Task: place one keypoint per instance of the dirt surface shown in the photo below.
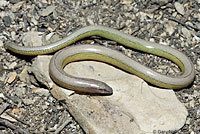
(28, 107)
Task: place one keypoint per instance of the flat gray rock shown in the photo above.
(134, 106)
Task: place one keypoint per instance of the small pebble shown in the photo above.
(179, 7)
(169, 29)
(3, 3)
(7, 21)
(6, 116)
(23, 76)
(11, 77)
(32, 38)
(2, 96)
(186, 33)
(17, 6)
(28, 101)
(41, 91)
(12, 65)
(47, 11)
(198, 112)
(1, 43)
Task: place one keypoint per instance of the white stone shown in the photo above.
(3, 3)
(47, 11)
(11, 77)
(152, 108)
(186, 32)
(32, 38)
(1, 43)
(133, 108)
(179, 7)
(169, 29)
(17, 6)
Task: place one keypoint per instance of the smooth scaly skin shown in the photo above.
(88, 52)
